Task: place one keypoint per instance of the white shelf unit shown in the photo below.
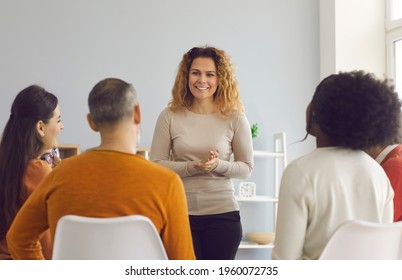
(279, 156)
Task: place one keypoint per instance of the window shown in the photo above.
(398, 66)
(396, 9)
(394, 43)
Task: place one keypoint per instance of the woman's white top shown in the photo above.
(322, 190)
(184, 138)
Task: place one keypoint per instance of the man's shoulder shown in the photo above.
(110, 161)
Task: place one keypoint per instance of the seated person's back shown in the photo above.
(337, 182)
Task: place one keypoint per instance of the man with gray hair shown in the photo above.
(107, 181)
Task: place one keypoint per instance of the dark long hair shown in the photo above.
(21, 143)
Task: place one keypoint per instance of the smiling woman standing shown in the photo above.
(196, 135)
(31, 131)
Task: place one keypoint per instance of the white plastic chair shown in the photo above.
(121, 238)
(361, 240)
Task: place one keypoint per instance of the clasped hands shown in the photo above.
(209, 163)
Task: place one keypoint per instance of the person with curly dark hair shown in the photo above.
(349, 113)
(196, 135)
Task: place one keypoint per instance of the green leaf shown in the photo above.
(254, 130)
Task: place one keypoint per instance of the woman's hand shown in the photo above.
(208, 164)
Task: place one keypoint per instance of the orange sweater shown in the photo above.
(34, 174)
(105, 184)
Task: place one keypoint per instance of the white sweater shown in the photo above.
(183, 138)
(322, 190)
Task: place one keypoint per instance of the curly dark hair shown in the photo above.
(356, 110)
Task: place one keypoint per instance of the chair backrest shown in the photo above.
(121, 238)
(361, 240)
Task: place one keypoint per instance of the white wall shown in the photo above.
(352, 36)
(68, 46)
(327, 38)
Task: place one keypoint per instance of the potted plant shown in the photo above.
(255, 130)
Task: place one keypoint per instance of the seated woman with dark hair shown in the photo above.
(349, 113)
(30, 133)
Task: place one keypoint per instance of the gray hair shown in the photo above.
(111, 100)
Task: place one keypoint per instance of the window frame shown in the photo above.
(393, 34)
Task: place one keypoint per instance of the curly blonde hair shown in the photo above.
(227, 96)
